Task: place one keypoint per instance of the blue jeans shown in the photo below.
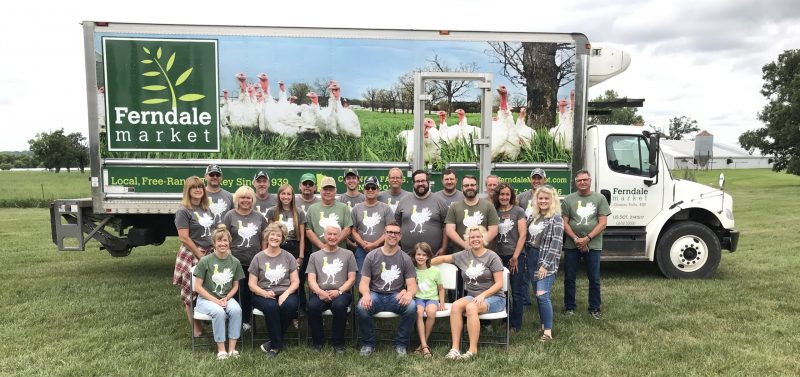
(386, 303)
(592, 260)
(277, 318)
(543, 300)
(338, 307)
(361, 254)
(218, 314)
(519, 290)
(245, 296)
(533, 263)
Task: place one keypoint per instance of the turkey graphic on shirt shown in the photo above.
(585, 212)
(474, 270)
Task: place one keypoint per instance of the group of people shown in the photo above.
(263, 249)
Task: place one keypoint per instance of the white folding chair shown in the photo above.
(254, 328)
(449, 273)
(498, 315)
(199, 317)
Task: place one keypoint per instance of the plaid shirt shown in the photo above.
(182, 276)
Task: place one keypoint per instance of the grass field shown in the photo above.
(377, 143)
(88, 314)
(39, 189)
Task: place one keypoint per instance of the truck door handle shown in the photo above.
(607, 194)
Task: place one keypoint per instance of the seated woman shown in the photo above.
(216, 282)
(482, 271)
(273, 282)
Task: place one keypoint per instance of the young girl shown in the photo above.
(217, 278)
(429, 289)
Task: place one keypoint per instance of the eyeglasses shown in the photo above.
(422, 181)
(308, 183)
(392, 233)
(583, 180)
(370, 188)
(197, 186)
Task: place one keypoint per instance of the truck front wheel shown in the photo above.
(688, 250)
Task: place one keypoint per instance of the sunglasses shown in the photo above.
(214, 175)
(308, 183)
(370, 188)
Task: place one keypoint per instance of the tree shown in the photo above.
(679, 126)
(299, 90)
(52, 149)
(78, 151)
(540, 68)
(370, 98)
(621, 115)
(320, 86)
(450, 90)
(781, 115)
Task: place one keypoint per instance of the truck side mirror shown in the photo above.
(652, 159)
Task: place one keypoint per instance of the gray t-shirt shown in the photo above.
(331, 268)
(421, 220)
(388, 273)
(200, 223)
(370, 221)
(463, 216)
(303, 205)
(508, 230)
(262, 205)
(352, 201)
(535, 231)
(286, 218)
(392, 200)
(477, 271)
(245, 234)
(319, 216)
(524, 200)
(449, 199)
(272, 273)
(219, 203)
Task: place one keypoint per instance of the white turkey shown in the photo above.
(443, 128)
(524, 132)
(562, 133)
(462, 132)
(346, 120)
(430, 147)
(284, 105)
(505, 139)
(313, 119)
(243, 111)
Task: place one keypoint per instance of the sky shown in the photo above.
(698, 58)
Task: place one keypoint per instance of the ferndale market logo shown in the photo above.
(161, 94)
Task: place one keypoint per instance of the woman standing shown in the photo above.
(547, 235)
(286, 213)
(193, 221)
(246, 226)
(509, 245)
(482, 271)
(217, 281)
(273, 281)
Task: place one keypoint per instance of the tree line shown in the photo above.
(50, 150)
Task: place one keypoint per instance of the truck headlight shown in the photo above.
(729, 213)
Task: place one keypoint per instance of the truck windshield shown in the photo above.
(628, 154)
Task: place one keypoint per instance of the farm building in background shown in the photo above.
(705, 153)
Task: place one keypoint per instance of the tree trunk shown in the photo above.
(541, 73)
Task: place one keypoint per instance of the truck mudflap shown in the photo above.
(731, 240)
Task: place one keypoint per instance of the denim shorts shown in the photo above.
(425, 302)
(495, 303)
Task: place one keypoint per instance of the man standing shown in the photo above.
(538, 179)
(449, 191)
(388, 283)
(306, 197)
(369, 220)
(264, 200)
(351, 197)
(421, 217)
(396, 192)
(491, 183)
(471, 211)
(220, 201)
(585, 214)
(327, 212)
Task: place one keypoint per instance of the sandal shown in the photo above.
(418, 351)
(453, 354)
(545, 338)
(426, 352)
(467, 355)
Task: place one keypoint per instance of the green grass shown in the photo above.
(88, 314)
(38, 189)
(377, 143)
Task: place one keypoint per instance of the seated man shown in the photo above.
(388, 284)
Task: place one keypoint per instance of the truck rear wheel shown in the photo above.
(688, 250)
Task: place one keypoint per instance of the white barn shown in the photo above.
(680, 155)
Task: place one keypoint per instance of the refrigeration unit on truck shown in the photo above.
(167, 100)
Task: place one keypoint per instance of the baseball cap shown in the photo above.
(350, 171)
(327, 182)
(538, 171)
(260, 174)
(371, 180)
(308, 177)
(213, 168)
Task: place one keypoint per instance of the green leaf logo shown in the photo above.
(162, 71)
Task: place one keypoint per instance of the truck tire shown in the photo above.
(688, 250)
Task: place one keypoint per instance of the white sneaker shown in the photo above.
(222, 355)
(234, 354)
(245, 327)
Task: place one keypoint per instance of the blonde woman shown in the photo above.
(194, 222)
(547, 235)
(216, 282)
(482, 271)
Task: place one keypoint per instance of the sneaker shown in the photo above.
(453, 354)
(245, 327)
(295, 324)
(266, 346)
(338, 350)
(271, 354)
(222, 355)
(596, 314)
(466, 356)
(367, 350)
(569, 312)
(401, 351)
(318, 348)
(234, 354)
